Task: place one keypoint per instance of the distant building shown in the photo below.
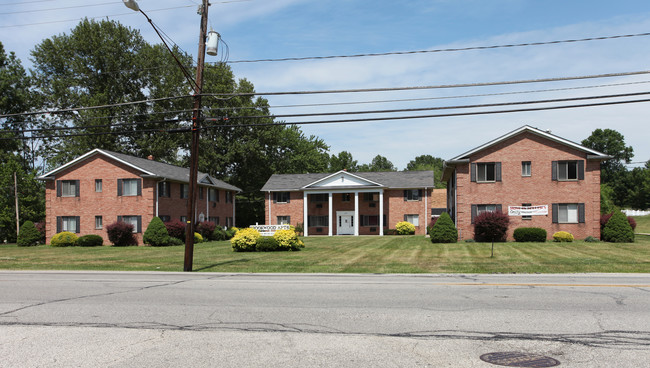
(102, 187)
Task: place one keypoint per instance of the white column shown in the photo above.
(329, 200)
(305, 225)
(157, 198)
(357, 220)
(381, 212)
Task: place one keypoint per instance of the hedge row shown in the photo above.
(250, 240)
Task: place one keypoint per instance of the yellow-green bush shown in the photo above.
(245, 240)
(198, 238)
(405, 228)
(288, 240)
(64, 239)
(562, 236)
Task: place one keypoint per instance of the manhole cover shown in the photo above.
(517, 359)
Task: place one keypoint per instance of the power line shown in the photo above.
(443, 50)
(61, 8)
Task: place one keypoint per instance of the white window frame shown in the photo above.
(98, 185)
(412, 195)
(133, 220)
(282, 197)
(563, 170)
(283, 220)
(185, 191)
(318, 221)
(482, 170)
(69, 223)
(526, 168)
(413, 219)
(480, 208)
(212, 195)
(129, 185)
(99, 223)
(68, 188)
(567, 213)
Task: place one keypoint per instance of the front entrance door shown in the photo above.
(345, 223)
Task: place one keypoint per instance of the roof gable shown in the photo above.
(341, 179)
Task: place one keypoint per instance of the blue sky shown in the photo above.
(258, 29)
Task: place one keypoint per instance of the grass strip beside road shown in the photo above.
(348, 254)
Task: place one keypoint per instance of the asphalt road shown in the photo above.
(92, 319)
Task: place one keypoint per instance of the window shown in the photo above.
(413, 195)
(568, 213)
(184, 219)
(214, 219)
(129, 187)
(136, 221)
(98, 185)
(567, 170)
(318, 221)
(98, 222)
(213, 195)
(524, 217)
(67, 188)
(323, 197)
(229, 197)
(185, 191)
(477, 209)
(229, 221)
(526, 168)
(164, 189)
(485, 172)
(165, 218)
(68, 223)
(345, 197)
(284, 220)
(413, 219)
(372, 220)
(200, 192)
(371, 197)
(281, 197)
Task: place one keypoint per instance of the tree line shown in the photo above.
(103, 63)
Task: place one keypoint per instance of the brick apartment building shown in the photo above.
(346, 203)
(539, 179)
(102, 187)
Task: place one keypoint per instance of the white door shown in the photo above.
(345, 224)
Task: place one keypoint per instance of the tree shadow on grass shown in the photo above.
(221, 264)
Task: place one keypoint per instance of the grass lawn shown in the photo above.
(642, 224)
(365, 254)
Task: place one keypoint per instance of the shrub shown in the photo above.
(390, 232)
(529, 234)
(245, 240)
(491, 226)
(64, 239)
(591, 239)
(121, 234)
(605, 218)
(198, 238)
(266, 244)
(405, 228)
(176, 229)
(299, 228)
(288, 240)
(156, 234)
(444, 230)
(175, 241)
(205, 228)
(562, 236)
(618, 229)
(90, 240)
(230, 233)
(218, 234)
(40, 226)
(28, 235)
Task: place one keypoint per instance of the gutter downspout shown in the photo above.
(270, 203)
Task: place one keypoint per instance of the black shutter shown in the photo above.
(555, 209)
(420, 195)
(119, 218)
(76, 188)
(472, 173)
(139, 229)
(58, 224)
(406, 194)
(581, 170)
(119, 187)
(217, 194)
(404, 217)
(581, 213)
(58, 188)
(474, 212)
(497, 169)
(554, 170)
(77, 227)
(499, 208)
(275, 197)
(168, 189)
(288, 197)
(139, 187)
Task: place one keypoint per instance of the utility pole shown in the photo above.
(194, 148)
(16, 195)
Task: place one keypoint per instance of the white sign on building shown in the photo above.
(528, 210)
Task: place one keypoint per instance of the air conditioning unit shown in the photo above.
(319, 206)
(373, 204)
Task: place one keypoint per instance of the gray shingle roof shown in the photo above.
(390, 179)
(153, 168)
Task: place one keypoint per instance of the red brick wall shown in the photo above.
(109, 205)
(175, 206)
(394, 208)
(538, 189)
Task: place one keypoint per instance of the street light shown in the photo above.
(197, 86)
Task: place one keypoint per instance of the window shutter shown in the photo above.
(497, 169)
(168, 189)
(119, 187)
(420, 195)
(288, 197)
(554, 170)
(581, 170)
(139, 187)
(555, 209)
(581, 213)
(474, 212)
(77, 226)
(119, 218)
(406, 194)
(217, 195)
(76, 188)
(139, 230)
(275, 197)
(404, 217)
(498, 206)
(58, 188)
(473, 172)
(58, 224)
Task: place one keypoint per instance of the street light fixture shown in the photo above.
(197, 86)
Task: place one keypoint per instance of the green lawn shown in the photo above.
(642, 224)
(365, 254)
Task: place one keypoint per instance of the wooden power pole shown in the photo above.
(16, 195)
